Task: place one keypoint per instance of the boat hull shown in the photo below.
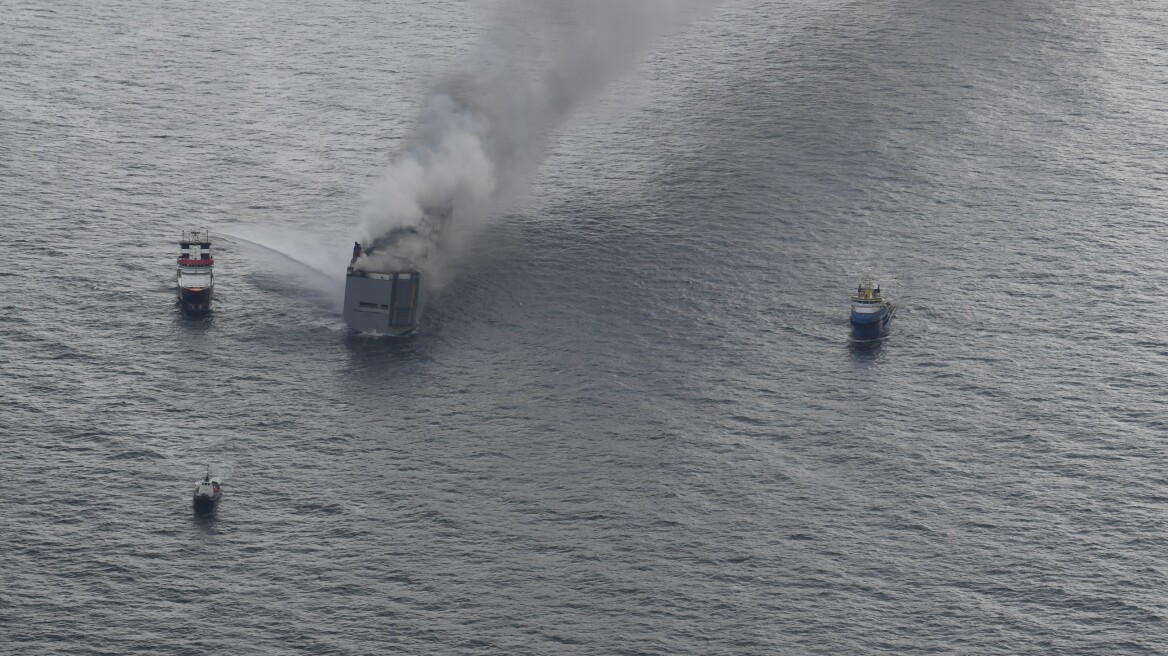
(195, 301)
(203, 503)
(872, 325)
(383, 303)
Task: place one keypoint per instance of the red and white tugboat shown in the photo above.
(196, 280)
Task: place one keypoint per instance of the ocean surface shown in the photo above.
(632, 421)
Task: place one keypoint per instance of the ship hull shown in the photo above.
(203, 503)
(195, 301)
(383, 303)
(871, 325)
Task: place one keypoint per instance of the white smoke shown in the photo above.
(445, 162)
(485, 129)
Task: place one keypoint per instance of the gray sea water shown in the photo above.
(632, 422)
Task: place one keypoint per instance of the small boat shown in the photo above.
(196, 277)
(871, 312)
(207, 494)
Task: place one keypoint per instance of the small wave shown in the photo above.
(137, 454)
(321, 508)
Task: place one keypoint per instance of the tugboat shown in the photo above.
(196, 278)
(207, 494)
(871, 312)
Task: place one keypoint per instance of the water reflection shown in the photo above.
(865, 350)
(203, 521)
(193, 321)
(376, 356)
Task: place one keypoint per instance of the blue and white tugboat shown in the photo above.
(207, 494)
(871, 312)
(196, 276)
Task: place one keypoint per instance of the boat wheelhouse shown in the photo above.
(196, 277)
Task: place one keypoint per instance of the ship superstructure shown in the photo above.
(384, 290)
(196, 276)
(388, 303)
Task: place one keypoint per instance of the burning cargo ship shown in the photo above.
(384, 292)
(196, 276)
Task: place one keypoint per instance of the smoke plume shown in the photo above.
(485, 128)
